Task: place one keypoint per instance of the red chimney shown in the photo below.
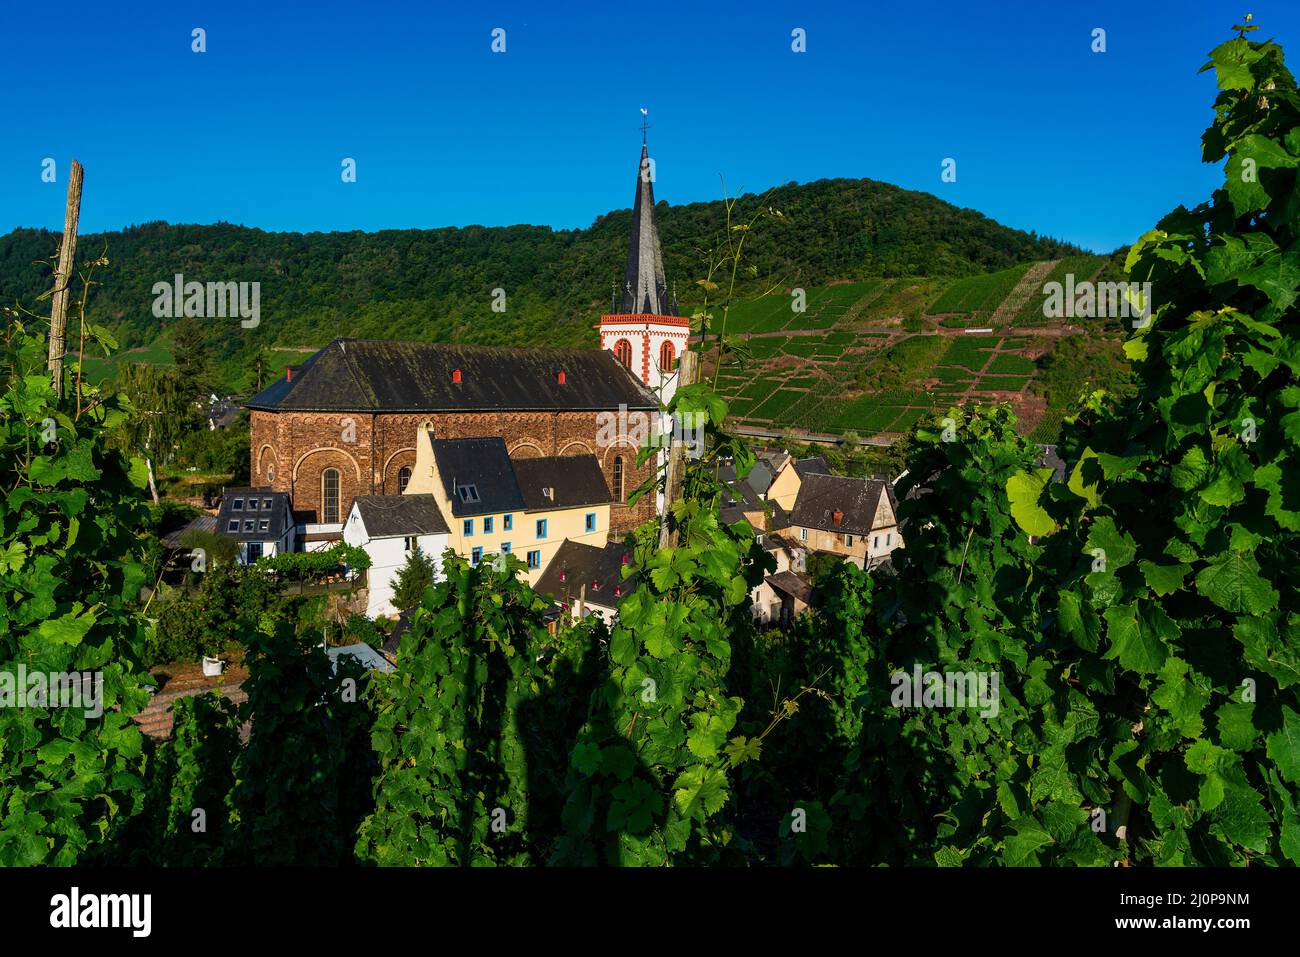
(455, 376)
(595, 585)
(837, 516)
(560, 377)
(618, 591)
(563, 575)
(627, 558)
(288, 373)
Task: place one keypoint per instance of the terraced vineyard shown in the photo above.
(873, 356)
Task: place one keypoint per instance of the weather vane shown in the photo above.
(645, 124)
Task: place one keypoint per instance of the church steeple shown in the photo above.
(645, 291)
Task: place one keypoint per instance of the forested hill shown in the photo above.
(438, 284)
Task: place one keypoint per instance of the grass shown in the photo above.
(96, 368)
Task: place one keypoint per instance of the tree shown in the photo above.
(193, 359)
(160, 413)
(413, 578)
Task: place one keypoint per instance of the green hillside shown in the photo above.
(438, 284)
(872, 357)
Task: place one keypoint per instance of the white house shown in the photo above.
(389, 527)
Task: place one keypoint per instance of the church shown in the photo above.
(349, 422)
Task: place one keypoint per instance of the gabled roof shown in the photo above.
(815, 464)
(788, 583)
(483, 469)
(206, 524)
(583, 564)
(371, 375)
(574, 480)
(820, 496)
(393, 516)
(249, 508)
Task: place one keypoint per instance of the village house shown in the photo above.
(526, 507)
(850, 517)
(259, 520)
(584, 579)
(389, 528)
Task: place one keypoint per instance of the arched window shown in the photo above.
(667, 357)
(623, 352)
(403, 477)
(618, 479)
(329, 497)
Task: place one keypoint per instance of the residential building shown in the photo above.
(259, 519)
(851, 517)
(526, 507)
(389, 528)
(586, 579)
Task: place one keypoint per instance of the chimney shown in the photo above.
(455, 376)
(627, 558)
(560, 377)
(288, 373)
(595, 584)
(837, 516)
(564, 574)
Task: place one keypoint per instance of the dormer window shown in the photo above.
(467, 493)
(252, 505)
(266, 503)
(248, 525)
(238, 506)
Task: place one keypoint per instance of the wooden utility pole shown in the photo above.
(63, 279)
(688, 373)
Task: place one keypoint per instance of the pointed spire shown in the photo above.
(644, 288)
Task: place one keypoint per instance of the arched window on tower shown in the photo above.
(329, 496)
(618, 479)
(403, 478)
(623, 352)
(667, 357)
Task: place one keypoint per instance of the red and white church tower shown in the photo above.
(648, 336)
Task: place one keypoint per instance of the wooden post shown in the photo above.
(688, 373)
(63, 279)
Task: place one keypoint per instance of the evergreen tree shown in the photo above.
(413, 578)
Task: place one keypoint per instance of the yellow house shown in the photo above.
(821, 512)
(524, 507)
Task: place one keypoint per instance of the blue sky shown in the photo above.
(1047, 135)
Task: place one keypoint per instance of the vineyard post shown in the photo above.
(687, 374)
(63, 278)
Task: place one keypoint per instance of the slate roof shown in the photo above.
(815, 464)
(821, 495)
(202, 523)
(237, 506)
(575, 480)
(393, 516)
(484, 464)
(584, 564)
(371, 375)
(743, 495)
(645, 290)
(788, 583)
(1050, 459)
